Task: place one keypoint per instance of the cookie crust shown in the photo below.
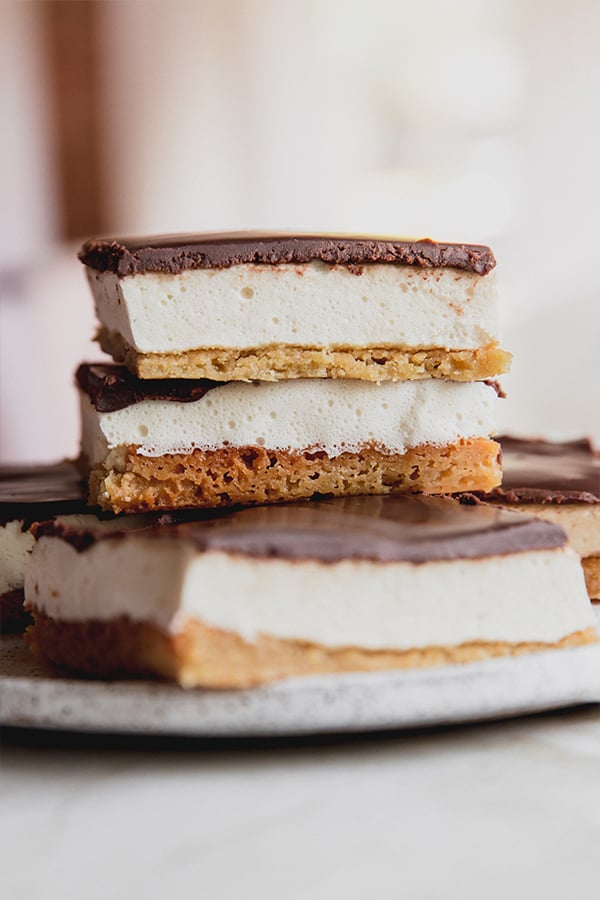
(200, 656)
(282, 361)
(125, 481)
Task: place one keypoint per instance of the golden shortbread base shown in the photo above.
(206, 657)
(284, 361)
(591, 570)
(128, 482)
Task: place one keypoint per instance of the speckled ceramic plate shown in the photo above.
(34, 697)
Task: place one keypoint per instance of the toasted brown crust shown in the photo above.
(210, 658)
(13, 618)
(591, 570)
(283, 361)
(128, 482)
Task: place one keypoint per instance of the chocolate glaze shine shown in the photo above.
(539, 471)
(112, 387)
(175, 253)
(399, 528)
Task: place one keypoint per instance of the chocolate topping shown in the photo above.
(174, 253)
(111, 387)
(400, 528)
(539, 471)
(78, 531)
(31, 493)
(491, 382)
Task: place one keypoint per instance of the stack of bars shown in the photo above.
(263, 369)
(255, 369)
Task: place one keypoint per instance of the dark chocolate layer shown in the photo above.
(31, 493)
(174, 253)
(111, 387)
(538, 471)
(81, 535)
(400, 528)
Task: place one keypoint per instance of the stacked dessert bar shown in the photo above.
(263, 382)
(262, 369)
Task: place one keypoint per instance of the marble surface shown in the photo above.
(498, 810)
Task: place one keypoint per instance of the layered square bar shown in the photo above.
(195, 443)
(246, 597)
(29, 494)
(258, 306)
(559, 482)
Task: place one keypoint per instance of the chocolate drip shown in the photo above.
(174, 253)
(399, 528)
(111, 387)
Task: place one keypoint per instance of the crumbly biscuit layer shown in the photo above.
(205, 657)
(591, 570)
(128, 482)
(281, 361)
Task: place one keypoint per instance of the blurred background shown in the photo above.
(476, 120)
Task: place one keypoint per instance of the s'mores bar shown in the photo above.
(559, 482)
(260, 306)
(244, 597)
(154, 444)
(29, 494)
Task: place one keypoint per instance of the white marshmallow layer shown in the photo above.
(310, 305)
(528, 596)
(334, 416)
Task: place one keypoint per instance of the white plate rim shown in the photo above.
(376, 701)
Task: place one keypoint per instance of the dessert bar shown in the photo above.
(259, 306)
(244, 597)
(195, 443)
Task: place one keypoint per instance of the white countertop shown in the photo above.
(500, 810)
